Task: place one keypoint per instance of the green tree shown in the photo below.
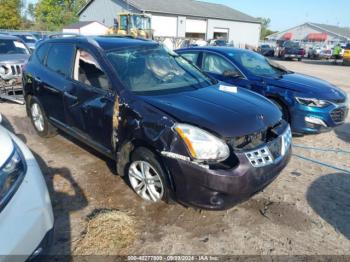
(52, 15)
(265, 25)
(10, 14)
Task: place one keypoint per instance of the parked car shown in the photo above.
(26, 217)
(266, 50)
(218, 42)
(319, 52)
(174, 132)
(291, 50)
(29, 39)
(13, 56)
(346, 55)
(309, 104)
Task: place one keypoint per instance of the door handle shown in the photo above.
(70, 96)
(38, 80)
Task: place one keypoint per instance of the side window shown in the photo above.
(41, 52)
(193, 57)
(88, 71)
(60, 58)
(216, 64)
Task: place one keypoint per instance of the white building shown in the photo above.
(86, 28)
(313, 32)
(181, 19)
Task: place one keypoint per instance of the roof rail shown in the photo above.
(63, 35)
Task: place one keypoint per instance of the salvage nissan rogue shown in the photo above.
(175, 133)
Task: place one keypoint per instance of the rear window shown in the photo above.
(60, 58)
(41, 52)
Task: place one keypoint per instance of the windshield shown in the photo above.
(28, 38)
(140, 22)
(259, 65)
(151, 69)
(8, 47)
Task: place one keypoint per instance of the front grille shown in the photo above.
(256, 140)
(338, 115)
(16, 70)
(272, 152)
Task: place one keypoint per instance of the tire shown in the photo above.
(37, 114)
(157, 187)
(283, 109)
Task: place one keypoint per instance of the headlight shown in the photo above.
(201, 144)
(11, 175)
(313, 102)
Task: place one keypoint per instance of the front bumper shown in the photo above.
(220, 189)
(312, 120)
(27, 219)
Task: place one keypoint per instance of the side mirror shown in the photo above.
(232, 74)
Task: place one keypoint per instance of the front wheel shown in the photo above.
(147, 177)
(283, 109)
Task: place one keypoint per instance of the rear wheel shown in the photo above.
(147, 177)
(39, 119)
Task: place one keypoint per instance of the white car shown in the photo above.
(26, 217)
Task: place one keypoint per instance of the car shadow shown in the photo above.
(343, 132)
(329, 196)
(63, 203)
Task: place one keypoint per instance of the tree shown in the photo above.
(52, 15)
(265, 24)
(10, 14)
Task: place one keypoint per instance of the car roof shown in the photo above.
(8, 37)
(106, 43)
(218, 49)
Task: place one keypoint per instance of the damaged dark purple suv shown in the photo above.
(175, 133)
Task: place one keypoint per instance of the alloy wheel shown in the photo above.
(146, 181)
(37, 116)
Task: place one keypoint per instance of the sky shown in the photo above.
(286, 14)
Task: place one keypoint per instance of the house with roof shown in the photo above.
(86, 28)
(314, 32)
(180, 19)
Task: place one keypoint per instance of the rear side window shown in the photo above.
(193, 57)
(60, 59)
(41, 52)
(216, 64)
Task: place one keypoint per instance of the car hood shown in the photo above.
(14, 58)
(6, 147)
(228, 114)
(311, 86)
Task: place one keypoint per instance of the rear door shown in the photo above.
(89, 100)
(51, 80)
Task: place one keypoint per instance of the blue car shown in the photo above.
(311, 105)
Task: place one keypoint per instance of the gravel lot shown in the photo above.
(305, 211)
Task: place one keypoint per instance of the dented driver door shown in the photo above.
(89, 102)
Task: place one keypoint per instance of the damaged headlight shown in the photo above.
(11, 176)
(202, 145)
(313, 102)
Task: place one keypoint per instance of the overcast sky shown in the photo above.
(286, 14)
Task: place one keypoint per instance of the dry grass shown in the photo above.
(108, 232)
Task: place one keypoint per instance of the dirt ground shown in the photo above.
(305, 211)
